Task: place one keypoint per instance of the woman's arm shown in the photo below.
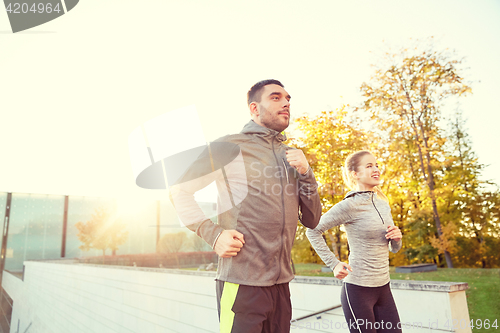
(394, 235)
(337, 215)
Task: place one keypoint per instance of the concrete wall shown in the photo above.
(63, 296)
(89, 298)
(423, 306)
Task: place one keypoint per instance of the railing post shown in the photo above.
(65, 226)
(5, 234)
(157, 225)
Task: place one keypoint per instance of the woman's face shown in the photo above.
(367, 174)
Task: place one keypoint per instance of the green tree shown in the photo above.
(406, 99)
(103, 231)
(470, 201)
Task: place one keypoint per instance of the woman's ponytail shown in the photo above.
(380, 194)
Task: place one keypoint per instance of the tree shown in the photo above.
(173, 242)
(326, 140)
(103, 231)
(430, 173)
(405, 100)
(470, 200)
(198, 244)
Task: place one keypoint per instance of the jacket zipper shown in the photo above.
(286, 171)
(283, 211)
(377, 210)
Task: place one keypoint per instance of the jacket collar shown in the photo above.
(354, 193)
(262, 132)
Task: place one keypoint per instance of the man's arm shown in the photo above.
(190, 213)
(198, 175)
(309, 202)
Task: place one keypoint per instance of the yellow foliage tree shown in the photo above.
(405, 100)
(326, 140)
(446, 241)
(103, 231)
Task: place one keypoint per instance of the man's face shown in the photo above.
(274, 108)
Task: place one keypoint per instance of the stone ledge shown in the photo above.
(156, 270)
(438, 286)
(132, 268)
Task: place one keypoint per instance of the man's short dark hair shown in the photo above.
(255, 93)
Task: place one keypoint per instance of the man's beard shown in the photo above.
(272, 122)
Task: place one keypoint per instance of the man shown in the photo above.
(264, 193)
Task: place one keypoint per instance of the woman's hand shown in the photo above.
(393, 233)
(341, 270)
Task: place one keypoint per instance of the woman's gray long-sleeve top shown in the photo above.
(365, 217)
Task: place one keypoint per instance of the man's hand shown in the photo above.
(298, 160)
(341, 270)
(394, 233)
(229, 243)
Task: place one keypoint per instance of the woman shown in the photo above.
(366, 295)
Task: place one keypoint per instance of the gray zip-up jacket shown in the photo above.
(265, 195)
(365, 218)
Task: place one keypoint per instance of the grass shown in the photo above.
(482, 296)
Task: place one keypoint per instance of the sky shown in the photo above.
(73, 90)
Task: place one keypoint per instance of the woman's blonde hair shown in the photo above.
(351, 165)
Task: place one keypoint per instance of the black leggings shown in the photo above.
(369, 309)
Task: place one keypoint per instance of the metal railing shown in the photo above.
(316, 313)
